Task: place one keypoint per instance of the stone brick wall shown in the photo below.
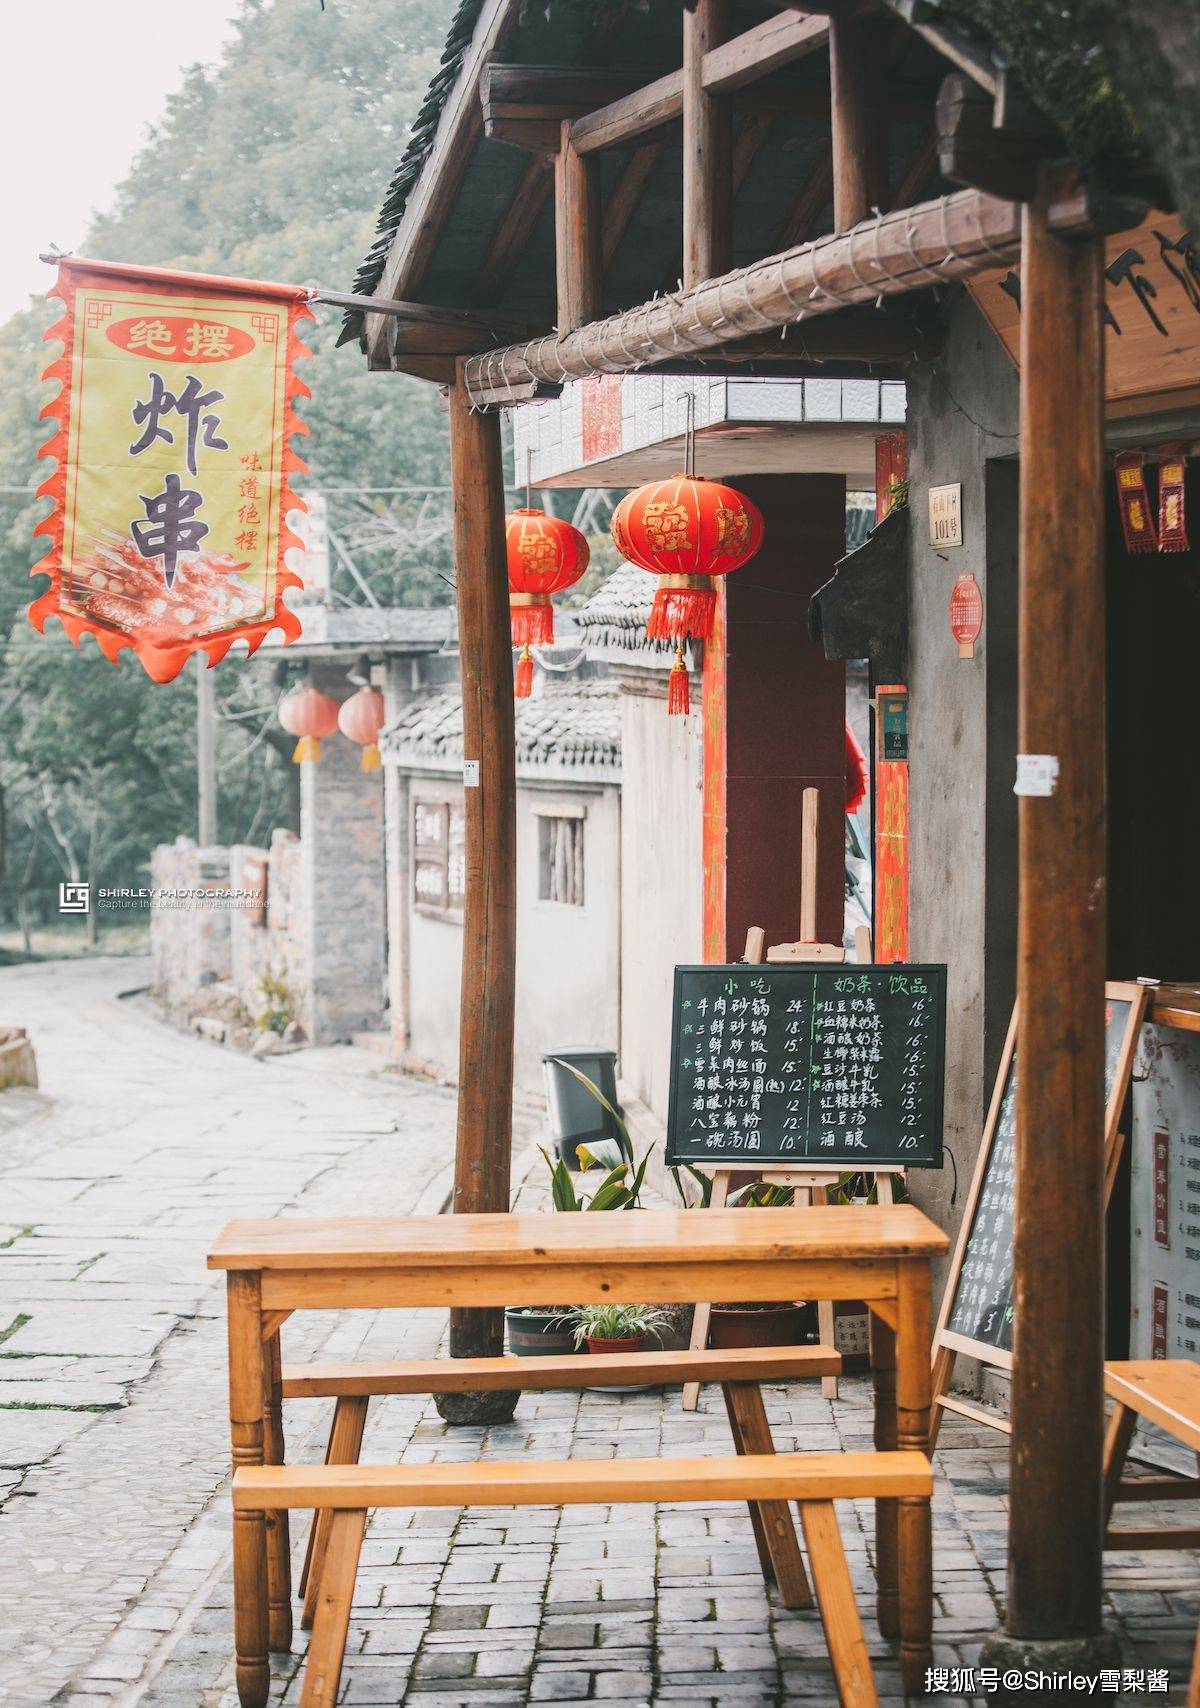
(189, 943)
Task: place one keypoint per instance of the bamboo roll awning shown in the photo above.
(888, 255)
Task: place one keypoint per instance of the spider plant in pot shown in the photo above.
(546, 1331)
(617, 1328)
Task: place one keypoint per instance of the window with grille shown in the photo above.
(439, 857)
(560, 860)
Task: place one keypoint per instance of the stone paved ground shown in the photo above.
(114, 1582)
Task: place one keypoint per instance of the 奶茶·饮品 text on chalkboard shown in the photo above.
(817, 1067)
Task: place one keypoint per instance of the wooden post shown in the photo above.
(858, 118)
(482, 1162)
(707, 151)
(1056, 1524)
(577, 234)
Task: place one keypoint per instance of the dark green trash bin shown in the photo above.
(574, 1114)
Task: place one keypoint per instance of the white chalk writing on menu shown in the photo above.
(841, 1065)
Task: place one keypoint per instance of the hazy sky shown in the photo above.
(80, 80)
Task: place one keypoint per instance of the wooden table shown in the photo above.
(881, 1254)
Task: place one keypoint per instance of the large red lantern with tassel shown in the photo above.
(360, 720)
(311, 716)
(545, 556)
(685, 530)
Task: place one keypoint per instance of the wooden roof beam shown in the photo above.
(730, 65)
(857, 59)
(707, 150)
(955, 237)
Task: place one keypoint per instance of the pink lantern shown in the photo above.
(360, 720)
(311, 716)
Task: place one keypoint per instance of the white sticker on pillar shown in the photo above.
(470, 773)
(1037, 774)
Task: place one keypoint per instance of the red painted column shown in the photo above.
(774, 724)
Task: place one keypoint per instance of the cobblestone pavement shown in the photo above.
(114, 1574)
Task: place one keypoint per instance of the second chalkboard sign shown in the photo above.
(833, 1066)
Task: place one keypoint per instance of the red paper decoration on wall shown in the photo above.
(310, 715)
(545, 556)
(685, 530)
(360, 720)
(966, 613)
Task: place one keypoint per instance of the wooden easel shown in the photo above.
(948, 1344)
(809, 1187)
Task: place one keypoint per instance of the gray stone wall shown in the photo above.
(343, 899)
(962, 425)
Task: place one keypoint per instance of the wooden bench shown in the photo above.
(347, 1493)
(739, 1372)
(1166, 1392)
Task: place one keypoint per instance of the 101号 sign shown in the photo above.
(945, 515)
(833, 1066)
(171, 492)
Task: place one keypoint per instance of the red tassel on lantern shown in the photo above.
(524, 683)
(679, 695)
(685, 530)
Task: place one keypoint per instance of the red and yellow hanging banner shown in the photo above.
(171, 492)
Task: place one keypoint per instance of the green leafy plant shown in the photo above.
(613, 1192)
(277, 1009)
(618, 1322)
(703, 1181)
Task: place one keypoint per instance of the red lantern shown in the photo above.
(311, 716)
(685, 530)
(360, 719)
(545, 556)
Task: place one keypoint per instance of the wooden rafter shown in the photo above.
(514, 230)
(812, 196)
(626, 194)
(955, 237)
(917, 173)
(725, 68)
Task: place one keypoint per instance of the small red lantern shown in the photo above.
(311, 716)
(360, 720)
(685, 530)
(545, 555)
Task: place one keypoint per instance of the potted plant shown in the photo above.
(752, 1323)
(547, 1331)
(617, 1328)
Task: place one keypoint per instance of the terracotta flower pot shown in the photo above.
(762, 1325)
(633, 1344)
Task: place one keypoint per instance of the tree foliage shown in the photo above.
(269, 165)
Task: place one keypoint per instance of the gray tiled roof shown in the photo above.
(614, 618)
(579, 725)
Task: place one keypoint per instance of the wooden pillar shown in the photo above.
(858, 118)
(577, 234)
(707, 151)
(774, 725)
(1055, 1530)
(482, 1162)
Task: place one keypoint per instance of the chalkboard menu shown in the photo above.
(825, 1066)
(982, 1309)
